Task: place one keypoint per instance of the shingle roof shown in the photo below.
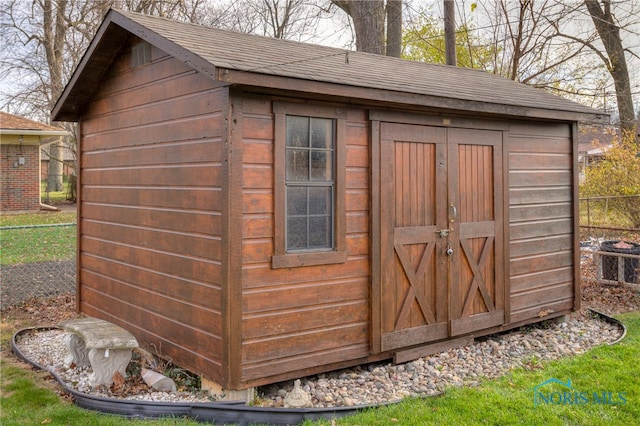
(222, 49)
(14, 122)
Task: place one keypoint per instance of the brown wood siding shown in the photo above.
(541, 236)
(302, 317)
(150, 225)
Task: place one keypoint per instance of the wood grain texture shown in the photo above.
(542, 192)
(413, 283)
(292, 313)
(150, 230)
(476, 191)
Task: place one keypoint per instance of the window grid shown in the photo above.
(311, 238)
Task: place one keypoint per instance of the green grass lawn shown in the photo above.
(28, 399)
(54, 196)
(509, 400)
(38, 244)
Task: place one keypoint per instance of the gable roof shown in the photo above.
(237, 58)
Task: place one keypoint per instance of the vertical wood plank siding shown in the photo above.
(540, 220)
(303, 317)
(150, 225)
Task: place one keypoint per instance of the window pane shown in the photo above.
(309, 179)
(322, 133)
(297, 131)
(319, 200)
(322, 166)
(297, 164)
(320, 231)
(296, 233)
(296, 201)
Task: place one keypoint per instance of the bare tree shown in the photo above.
(394, 28)
(523, 31)
(53, 40)
(286, 19)
(43, 42)
(609, 31)
(44, 39)
(572, 48)
(527, 48)
(368, 21)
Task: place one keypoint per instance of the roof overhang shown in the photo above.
(105, 46)
(352, 94)
(31, 136)
(117, 27)
(26, 132)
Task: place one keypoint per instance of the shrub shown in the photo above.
(617, 174)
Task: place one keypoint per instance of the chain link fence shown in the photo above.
(24, 276)
(610, 254)
(36, 280)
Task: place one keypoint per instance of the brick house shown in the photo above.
(20, 142)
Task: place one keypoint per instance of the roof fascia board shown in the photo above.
(41, 133)
(128, 27)
(338, 90)
(180, 53)
(79, 71)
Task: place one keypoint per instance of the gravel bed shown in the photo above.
(487, 357)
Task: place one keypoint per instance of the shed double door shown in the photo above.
(440, 233)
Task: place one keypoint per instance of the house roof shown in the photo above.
(19, 126)
(13, 124)
(268, 63)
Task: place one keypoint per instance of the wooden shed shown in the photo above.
(260, 209)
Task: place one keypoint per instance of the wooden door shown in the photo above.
(475, 192)
(440, 233)
(413, 270)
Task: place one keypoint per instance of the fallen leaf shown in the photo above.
(118, 380)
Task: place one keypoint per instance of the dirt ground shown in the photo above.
(611, 299)
(40, 312)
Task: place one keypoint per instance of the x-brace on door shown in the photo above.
(440, 233)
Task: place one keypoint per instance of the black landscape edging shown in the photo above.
(611, 320)
(220, 412)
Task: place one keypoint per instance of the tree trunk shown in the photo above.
(368, 22)
(54, 174)
(450, 32)
(54, 38)
(394, 28)
(609, 34)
